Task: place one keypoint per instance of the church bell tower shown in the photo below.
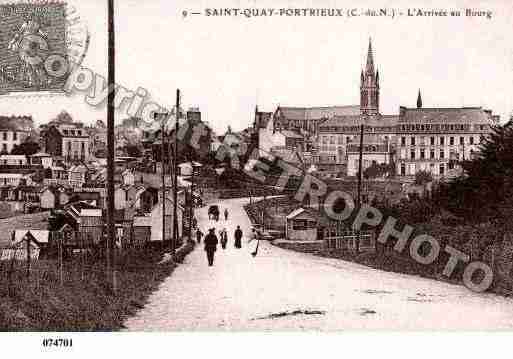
(369, 87)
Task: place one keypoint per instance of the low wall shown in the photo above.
(300, 246)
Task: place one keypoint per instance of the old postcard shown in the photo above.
(255, 166)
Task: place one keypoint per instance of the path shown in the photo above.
(274, 291)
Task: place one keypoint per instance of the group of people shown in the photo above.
(211, 241)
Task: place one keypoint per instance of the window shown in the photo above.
(451, 141)
(442, 141)
(412, 155)
(422, 154)
(5, 136)
(403, 169)
(442, 168)
(432, 141)
(83, 147)
(4, 147)
(403, 141)
(412, 141)
(340, 140)
(14, 136)
(462, 140)
(471, 140)
(299, 224)
(442, 155)
(432, 154)
(332, 140)
(348, 139)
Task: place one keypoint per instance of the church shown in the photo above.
(415, 139)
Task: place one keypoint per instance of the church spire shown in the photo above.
(369, 87)
(419, 100)
(369, 69)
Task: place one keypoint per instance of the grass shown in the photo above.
(86, 300)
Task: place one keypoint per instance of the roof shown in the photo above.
(445, 115)
(32, 221)
(16, 123)
(13, 157)
(41, 154)
(291, 134)
(309, 113)
(41, 236)
(379, 121)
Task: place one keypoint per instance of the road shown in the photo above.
(286, 290)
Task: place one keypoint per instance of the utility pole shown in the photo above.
(192, 202)
(163, 172)
(110, 140)
(175, 175)
(360, 160)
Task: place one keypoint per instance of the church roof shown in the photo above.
(378, 121)
(476, 115)
(312, 113)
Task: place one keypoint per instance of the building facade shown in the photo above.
(429, 139)
(69, 141)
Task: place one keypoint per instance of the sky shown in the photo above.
(227, 65)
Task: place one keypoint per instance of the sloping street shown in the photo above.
(286, 290)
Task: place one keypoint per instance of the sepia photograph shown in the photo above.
(297, 171)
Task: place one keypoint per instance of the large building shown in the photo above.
(69, 141)
(431, 139)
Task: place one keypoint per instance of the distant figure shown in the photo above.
(226, 214)
(224, 238)
(210, 246)
(199, 234)
(238, 237)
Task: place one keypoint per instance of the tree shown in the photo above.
(379, 170)
(27, 148)
(483, 190)
(63, 117)
(423, 177)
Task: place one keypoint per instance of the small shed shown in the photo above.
(302, 224)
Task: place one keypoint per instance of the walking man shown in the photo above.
(211, 246)
(224, 238)
(226, 214)
(199, 234)
(238, 237)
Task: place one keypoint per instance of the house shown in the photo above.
(32, 221)
(87, 219)
(15, 178)
(26, 243)
(13, 160)
(67, 140)
(47, 198)
(13, 131)
(42, 159)
(78, 175)
(146, 199)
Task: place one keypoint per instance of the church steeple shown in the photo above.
(369, 69)
(369, 87)
(419, 100)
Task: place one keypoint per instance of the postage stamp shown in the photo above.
(40, 42)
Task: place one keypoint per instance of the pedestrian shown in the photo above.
(238, 237)
(199, 234)
(224, 238)
(226, 214)
(211, 246)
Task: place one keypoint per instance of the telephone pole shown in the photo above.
(163, 172)
(175, 175)
(110, 142)
(360, 160)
